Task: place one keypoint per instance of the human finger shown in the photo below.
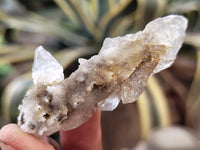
(86, 137)
(13, 137)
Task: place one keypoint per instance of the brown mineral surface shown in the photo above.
(118, 73)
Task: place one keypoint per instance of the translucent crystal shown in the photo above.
(46, 69)
(168, 31)
(132, 87)
(119, 72)
(110, 103)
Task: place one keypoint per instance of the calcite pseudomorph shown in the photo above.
(118, 73)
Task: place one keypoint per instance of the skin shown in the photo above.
(85, 137)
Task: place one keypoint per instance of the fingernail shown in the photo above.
(4, 146)
(44, 139)
(52, 142)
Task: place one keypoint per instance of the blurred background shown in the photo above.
(76, 28)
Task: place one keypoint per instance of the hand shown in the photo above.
(85, 137)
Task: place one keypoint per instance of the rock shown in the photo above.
(119, 72)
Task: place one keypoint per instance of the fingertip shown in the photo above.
(7, 130)
(9, 126)
(87, 136)
(4, 135)
(13, 136)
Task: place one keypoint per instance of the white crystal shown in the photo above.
(168, 31)
(110, 103)
(119, 72)
(46, 69)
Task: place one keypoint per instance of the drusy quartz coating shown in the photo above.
(118, 73)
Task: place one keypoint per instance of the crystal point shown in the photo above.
(168, 31)
(46, 69)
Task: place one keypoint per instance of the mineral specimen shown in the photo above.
(118, 73)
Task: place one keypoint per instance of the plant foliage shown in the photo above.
(77, 28)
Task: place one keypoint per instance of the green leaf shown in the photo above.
(14, 54)
(5, 69)
(68, 11)
(35, 23)
(12, 96)
(193, 98)
(153, 107)
(113, 12)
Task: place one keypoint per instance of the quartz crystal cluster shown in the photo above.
(118, 73)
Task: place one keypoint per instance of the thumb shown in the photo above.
(12, 137)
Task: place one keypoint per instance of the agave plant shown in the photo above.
(77, 28)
